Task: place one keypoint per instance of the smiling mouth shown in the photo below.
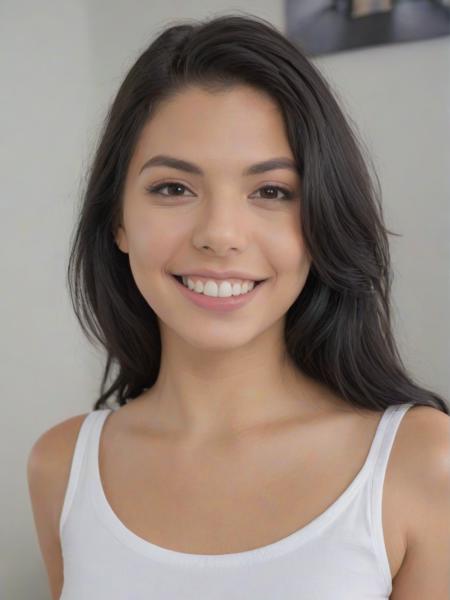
(179, 278)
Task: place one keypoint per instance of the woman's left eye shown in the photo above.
(288, 195)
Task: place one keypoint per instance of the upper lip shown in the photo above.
(220, 274)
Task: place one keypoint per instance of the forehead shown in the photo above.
(228, 128)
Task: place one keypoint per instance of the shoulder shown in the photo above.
(49, 447)
(48, 469)
(427, 417)
(419, 465)
(49, 462)
(424, 448)
(423, 476)
(426, 445)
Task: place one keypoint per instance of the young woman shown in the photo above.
(232, 260)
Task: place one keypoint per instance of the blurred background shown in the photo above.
(61, 64)
(329, 26)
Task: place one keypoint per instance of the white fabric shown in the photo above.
(340, 555)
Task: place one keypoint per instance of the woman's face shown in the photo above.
(222, 219)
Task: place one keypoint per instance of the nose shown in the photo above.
(221, 229)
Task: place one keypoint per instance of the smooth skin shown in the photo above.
(225, 389)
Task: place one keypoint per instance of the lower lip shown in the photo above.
(218, 304)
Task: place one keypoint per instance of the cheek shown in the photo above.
(288, 253)
(152, 248)
(150, 244)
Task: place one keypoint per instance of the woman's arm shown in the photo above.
(425, 571)
(48, 470)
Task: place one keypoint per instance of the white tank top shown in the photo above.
(339, 555)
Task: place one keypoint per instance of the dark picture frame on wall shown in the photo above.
(327, 26)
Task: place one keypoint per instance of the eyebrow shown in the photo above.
(183, 165)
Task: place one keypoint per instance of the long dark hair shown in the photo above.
(338, 331)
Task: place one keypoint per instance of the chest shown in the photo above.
(231, 498)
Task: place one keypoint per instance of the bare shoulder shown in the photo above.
(424, 455)
(48, 469)
(50, 458)
(426, 446)
(428, 418)
(423, 470)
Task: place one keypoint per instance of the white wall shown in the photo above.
(61, 64)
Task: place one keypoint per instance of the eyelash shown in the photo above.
(156, 190)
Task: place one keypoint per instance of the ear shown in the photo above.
(121, 239)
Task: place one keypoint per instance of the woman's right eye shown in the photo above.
(173, 185)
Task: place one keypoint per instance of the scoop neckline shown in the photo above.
(277, 548)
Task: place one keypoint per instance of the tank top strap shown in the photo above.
(383, 440)
(83, 448)
(382, 446)
(392, 418)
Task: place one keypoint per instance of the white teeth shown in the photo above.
(223, 290)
